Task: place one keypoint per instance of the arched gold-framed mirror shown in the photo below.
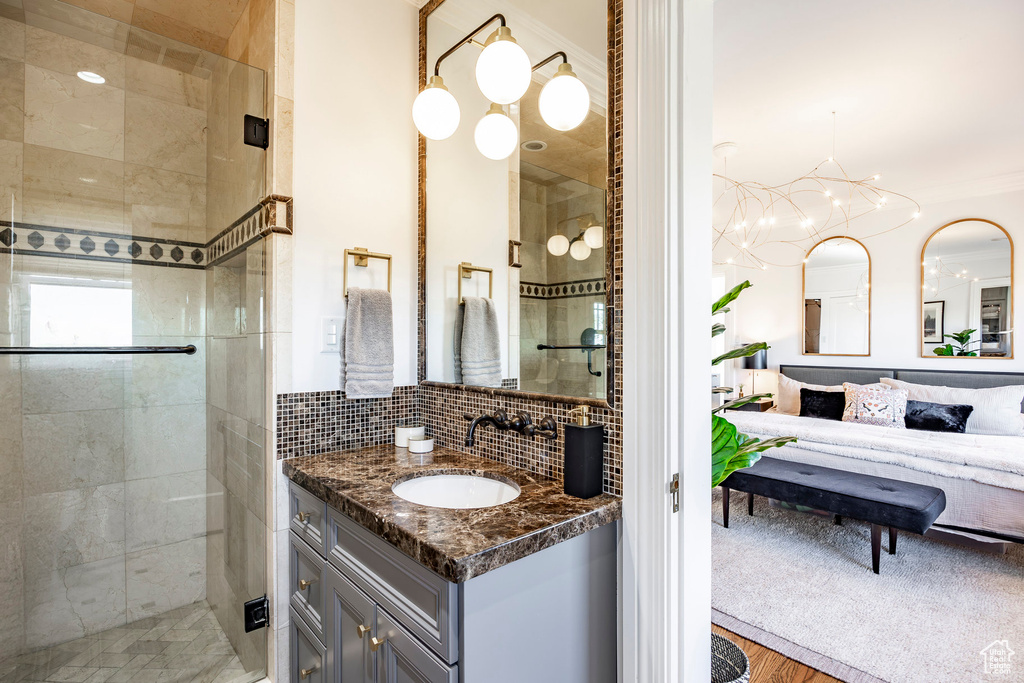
(836, 302)
(967, 291)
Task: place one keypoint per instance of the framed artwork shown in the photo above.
(933, 321)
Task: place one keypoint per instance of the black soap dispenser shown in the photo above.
(584, 455)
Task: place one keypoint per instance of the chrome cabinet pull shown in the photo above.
(375, 643)
(363, 630)
(306, 673)
(304, 584)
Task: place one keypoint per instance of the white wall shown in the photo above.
(771, 310)
(354, 171)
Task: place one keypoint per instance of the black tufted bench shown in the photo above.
(877, 500)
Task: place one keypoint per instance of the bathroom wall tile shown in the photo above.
(79, 526)
(238, 42)
(279, 283)
(284, 72)
(66, 604)
(10, 429)
(167, 84)
(12, 39)
(12, 100)
(66, 189)
(163, 380)
(163, 440)
(164, 135)
(165, 578)
(166, 509)
(217, 372)
(284, 117)
(68, 56)
(56, 103)
(226, 308)
(121, 10)
(177, 30)
(11, 193)
(164, 204)
(168, 302)
(58, 384)
(65, 451)
(12, 586)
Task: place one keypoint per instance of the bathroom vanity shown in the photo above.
(385, 590)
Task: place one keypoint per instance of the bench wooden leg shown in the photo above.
(892, 540)
(725, 507)
(750, 504)
(876, 546)
(838, 520)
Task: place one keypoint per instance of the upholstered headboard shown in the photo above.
(945, 378)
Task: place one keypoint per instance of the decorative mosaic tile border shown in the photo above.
(91, 245)
(572, 289)
(272, 214)
(324, 421)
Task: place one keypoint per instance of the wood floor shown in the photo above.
(768, 666)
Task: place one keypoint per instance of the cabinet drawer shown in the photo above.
(307, 654)
(402, 659)
(308, 517)
(306, 570)
(426, 604)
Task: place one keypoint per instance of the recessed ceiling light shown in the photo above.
(90, 77)
(534, 145)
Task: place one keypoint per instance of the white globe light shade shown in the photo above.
(435, 111)
(594, 236)
(580, 251)
(558, 245)
(495, 135)
(503, 71)
(564, 101)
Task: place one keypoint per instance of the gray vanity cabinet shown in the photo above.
(402, 658)
(349, 632)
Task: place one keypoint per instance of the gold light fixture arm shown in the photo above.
(361, 259)
(466, 270)
(467, 40)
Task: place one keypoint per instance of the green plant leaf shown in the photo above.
(736, 402)
(717, 329)
(758, 446)
(728, 297)
(742, 352)
(723, 449)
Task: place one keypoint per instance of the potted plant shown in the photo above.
(963, 341)
(731, 451)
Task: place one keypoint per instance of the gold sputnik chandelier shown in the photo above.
(775, 225)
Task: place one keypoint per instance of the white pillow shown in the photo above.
(996, 410)
(788, 398)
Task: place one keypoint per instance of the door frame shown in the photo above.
(667, 196)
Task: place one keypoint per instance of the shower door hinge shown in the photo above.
(257, 614)
(257, 131)
(673, 488)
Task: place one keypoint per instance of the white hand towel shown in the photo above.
(478, 343)
(368, 366)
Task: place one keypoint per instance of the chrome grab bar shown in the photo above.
(93, 350)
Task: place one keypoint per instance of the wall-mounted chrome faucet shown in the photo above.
(547, 428)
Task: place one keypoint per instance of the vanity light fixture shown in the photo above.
(558, 245)
(590, 237)
(495, 135)
(503, 70)
(580, 250)
(435, 111)
(564, 101)
(90, 77)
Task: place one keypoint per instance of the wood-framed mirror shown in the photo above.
(528, 241)
(837, 298)
(967, 291)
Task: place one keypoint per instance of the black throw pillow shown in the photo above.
(828, 405)
(937, 417)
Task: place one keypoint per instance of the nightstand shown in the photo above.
(757, 406)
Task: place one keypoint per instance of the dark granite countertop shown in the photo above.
(456, 544)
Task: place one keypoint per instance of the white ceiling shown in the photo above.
(929, 93)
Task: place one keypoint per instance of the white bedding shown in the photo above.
(992, 460)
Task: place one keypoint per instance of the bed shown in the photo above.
(982, 475)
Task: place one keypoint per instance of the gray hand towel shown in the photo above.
(368, 367)
(479, 349)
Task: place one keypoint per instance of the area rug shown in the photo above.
(937, 612)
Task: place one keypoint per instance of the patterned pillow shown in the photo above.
(882, 407)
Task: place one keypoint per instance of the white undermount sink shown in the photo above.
(456, 491)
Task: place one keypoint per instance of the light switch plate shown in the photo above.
(330, 335)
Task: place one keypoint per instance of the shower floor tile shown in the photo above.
(185, 645)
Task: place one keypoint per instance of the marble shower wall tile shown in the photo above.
(74, 527)
(68, 56)
(11, 193)
(164, 578)
(65, 604)
(66, 451)
(12, 39)
(65, 112)
(72, 190)
(12, 585)
(160, 380)
(164, 440)
(11, 465)
(164, 135)
(62, 384)
(168, 302)
(12, 100)
(163, 83)
(164, 204)
(164, 510)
